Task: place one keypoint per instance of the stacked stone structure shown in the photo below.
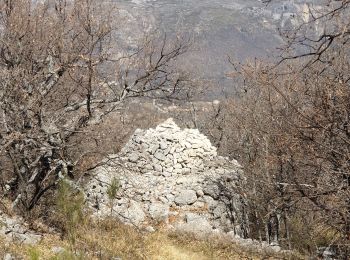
(173, 176)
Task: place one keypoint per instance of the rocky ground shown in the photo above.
(14, 229)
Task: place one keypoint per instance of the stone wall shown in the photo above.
(172, 176)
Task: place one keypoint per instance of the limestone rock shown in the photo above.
(163, 145)
(200, 193)
(150, 229)
(159, 211)
(160, 156)
(14, 229)
(133, 157)
(134, 213)
(186, 197)
(8, 257)
(57, 250)
(212, 191)
(195, 223)
(220, 210)
(158, 168)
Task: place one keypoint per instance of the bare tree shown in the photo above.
(290, 130)
(61, 71)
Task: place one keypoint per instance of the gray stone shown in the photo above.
(24, 237)
(150, 229)
(167, 162)
(220, 210)
(212, 190)
(277, 248)
(145, 146)
(210, 201)
(177, 165)
(158, 211)
(160, 156)
(177, 171)
(134, 157)
(163, 145)
(138, 139)
(196, 146)
(169, 169)
(164, 200)
(188, 145)
(158, 167)
(186, 197)
(326, 252)
(180, 149)
(134, 213)
(166, 153)
(186, 171)
(199, 204)
(192, 153)
(148, 167)
(196, 224)
(166, 174)
(180, 180)
(14, 230)
(154, 148)
(57, 250)
(172, 149)
(200, 193)
(170, 197)
(8, 256)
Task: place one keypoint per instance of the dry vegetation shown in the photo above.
(289, 127)
(62, 75)
(108, 239)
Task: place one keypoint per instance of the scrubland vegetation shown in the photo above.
(66, 94)
(109, 239)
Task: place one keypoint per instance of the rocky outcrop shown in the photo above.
(173, 176)
(14, 229)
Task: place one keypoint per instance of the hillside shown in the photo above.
(220, 28)
(163, 129)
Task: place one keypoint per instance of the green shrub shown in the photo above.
(112, 191)
(33, 254)
(70, 202)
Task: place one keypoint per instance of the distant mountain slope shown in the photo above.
(240, 28)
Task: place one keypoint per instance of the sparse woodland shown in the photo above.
(289, 126)
(61, 72)
(63, 76)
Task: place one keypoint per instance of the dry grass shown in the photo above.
(108, 239)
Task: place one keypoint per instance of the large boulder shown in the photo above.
(159, 211)
(134, 213)
(195, 223)
(186, 197)
(165, 173)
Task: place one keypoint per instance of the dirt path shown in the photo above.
(173, 252)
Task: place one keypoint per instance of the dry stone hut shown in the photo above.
(173, 176)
